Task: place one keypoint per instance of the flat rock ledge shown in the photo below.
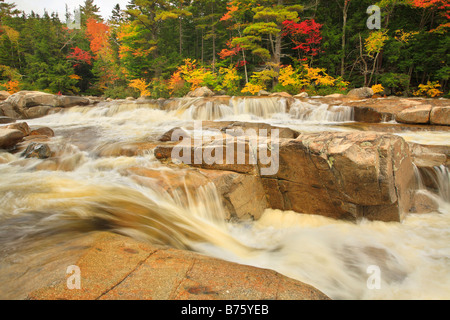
(114, 267)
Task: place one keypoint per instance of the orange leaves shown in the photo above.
(12, 86)
(228, 15)
(141, 85)
(75, 77)
(98, 34)
(234, 50)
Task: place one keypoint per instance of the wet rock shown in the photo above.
(302, 95)
(343, 176)
(429, 156)
(4, 95)
(423, 202)
(339, 175)
(36, 112)
(141, 271)
(335, 96)
(71, 101)
(440, 116)
(5, 120)
(27, 99)
(416, 114)
(43, 131)
(200, 92)
(260, 129)
(173, 134)
(281, 94)
(10, 137)
(361, 93)
(37, 150)
(263, 93)
(21, 126)
(8, 110)
(242, 196)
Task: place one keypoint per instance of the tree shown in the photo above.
(90, 11)
(264, 36)
(345, 6)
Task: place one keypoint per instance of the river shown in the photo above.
(87, 190)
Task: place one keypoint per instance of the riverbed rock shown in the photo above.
(4, 95)
(281, 95)
(343, 175)
(142, 271)
(5, 120)
(8, 110)
(36, 112)
(10, 137)
(302, 95)
(42, 131)
(242, 196)
(200, 92)
(263, 93)
(361, 93)
(72, 101)
(339, 175)
(416, 114)
(37, 150)
(27, 99)
(174, 133)
(440, 116)
(21, 126)
(423, 202)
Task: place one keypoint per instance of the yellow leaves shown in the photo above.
(141, 85)
(287, 76)
(375, 42)
(377, 88)
(230, 77)
(430, 89)
(252, 88)
(304, 77)
(191, 73)
(403, 36)
(12, 34)
(75, 77)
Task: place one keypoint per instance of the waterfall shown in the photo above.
(307, 112)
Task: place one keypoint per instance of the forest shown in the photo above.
(167, 48)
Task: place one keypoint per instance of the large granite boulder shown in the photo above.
(339, 175)
(344, 176)
(361, 93)
(200, 92)
(440, 116)
(141, 271)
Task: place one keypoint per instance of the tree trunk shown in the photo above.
(344, 26)
(181, 36)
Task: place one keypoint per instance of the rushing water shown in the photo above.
(86, 192)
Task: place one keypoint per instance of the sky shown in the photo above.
(38, 6)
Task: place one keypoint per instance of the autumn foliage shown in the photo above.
(305, 35)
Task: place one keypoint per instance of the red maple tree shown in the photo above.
(305, 35)
(80, 56)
